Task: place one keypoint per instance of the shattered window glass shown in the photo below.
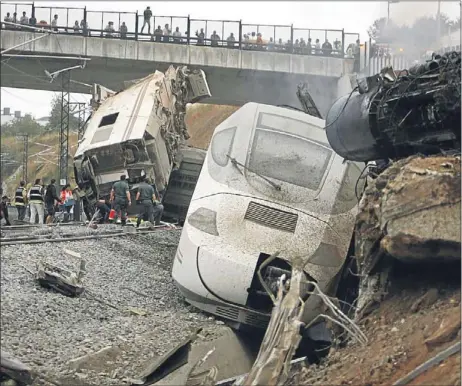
(290, 159)
(222, 143)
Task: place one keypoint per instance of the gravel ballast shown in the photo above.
(48, 331)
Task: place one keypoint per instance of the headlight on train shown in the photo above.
(205, 220)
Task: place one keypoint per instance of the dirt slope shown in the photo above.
(423, 305)
(201, 121)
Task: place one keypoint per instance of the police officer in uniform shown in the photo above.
(120, 196)
(20, 198)
(36, 202)
(146, 197)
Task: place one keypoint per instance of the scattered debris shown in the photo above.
(59, 279)
(13, 369)
(168, 363)
(447, 331)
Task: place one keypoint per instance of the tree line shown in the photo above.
(29, 125)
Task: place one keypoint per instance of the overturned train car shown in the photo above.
(141, 132)
(395, 114)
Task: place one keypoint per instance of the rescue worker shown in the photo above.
(4, 210)
(20, 200)
(120, 196)
(104, 207)
(51, 196)
(36, 202)
(146, 197)
(158, 207)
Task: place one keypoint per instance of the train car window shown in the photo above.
(350, 186)
(222, 143)
(289, 159)
(287, 125)
(108, 119)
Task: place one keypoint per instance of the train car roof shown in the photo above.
(122, 117)
(282, 119)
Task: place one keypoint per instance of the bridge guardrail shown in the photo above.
(309, 41)
(279, 38)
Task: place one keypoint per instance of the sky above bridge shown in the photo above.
(354, 17)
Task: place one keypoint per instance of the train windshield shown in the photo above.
(289, 158)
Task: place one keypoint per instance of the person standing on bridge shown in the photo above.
(20, 200)
(24, 19)
(123, 30)
(167, 32)
(54, 23)
(147, 14)
(120, 196)
(36, 202)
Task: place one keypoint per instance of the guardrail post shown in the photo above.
(85, 31)
(137, 25)
(240, 34)
(292, 38)
(188, 31)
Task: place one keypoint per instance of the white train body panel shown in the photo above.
(236, 218)
(138, 132)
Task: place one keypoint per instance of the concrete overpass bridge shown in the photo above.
(235, 76)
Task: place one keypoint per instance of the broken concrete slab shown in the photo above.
(161, 367)
(232, 356)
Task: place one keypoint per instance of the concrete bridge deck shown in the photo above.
(235, 76)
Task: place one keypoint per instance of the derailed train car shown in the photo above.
(270, 182)
(138, 132)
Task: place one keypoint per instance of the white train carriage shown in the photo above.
(270, 182)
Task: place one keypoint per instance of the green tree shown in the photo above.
(23, 125)
(55, 116)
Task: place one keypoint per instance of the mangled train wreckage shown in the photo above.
(410, 212)
(396, 114)
(140, 131)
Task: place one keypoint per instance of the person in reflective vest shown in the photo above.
(20, 200)
(36, 202)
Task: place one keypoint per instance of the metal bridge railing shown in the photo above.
(231, 34)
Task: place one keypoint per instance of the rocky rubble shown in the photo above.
(408, 249)
(131, 310)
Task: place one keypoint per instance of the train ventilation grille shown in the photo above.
(257, 321)
(228, 312)
(271, 217)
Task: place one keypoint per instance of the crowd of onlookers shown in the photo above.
(250, 41)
